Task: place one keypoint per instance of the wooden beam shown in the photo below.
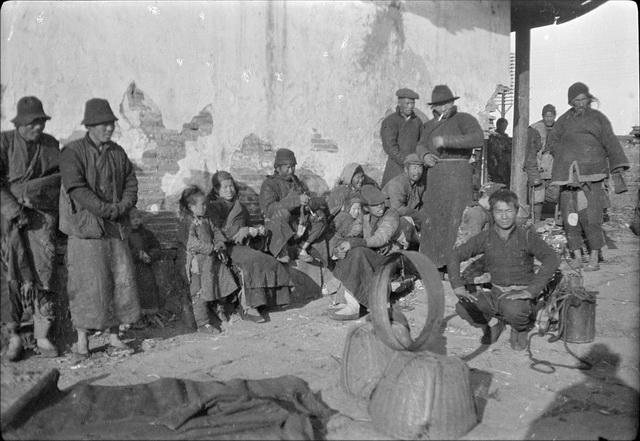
(521, 113)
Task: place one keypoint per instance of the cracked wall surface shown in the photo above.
(206, 86)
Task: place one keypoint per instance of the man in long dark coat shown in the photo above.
(446, 144)
(400, 133)
(29, 191)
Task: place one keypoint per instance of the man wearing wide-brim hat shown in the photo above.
(400, 132)
(99, 189)
(446, 145)
(29, 190)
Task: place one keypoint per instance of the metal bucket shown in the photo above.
(579, 320)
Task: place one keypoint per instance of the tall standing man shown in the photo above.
(400, 133)
(446, 145)
(99, 189)
(29, 191)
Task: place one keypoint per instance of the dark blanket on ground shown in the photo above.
(282, 408)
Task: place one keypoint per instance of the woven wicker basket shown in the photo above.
(413, 393)
(364, 361)
(424, 395)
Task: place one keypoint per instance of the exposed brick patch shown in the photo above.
(320, 143)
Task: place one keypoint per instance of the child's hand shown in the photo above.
(144, 257)
(222, 256)
(241, 235)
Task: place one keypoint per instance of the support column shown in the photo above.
(521, 113)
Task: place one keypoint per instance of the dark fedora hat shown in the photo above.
(441, 94)
(29, 109)
(97, 111)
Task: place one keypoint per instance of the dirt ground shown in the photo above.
(536, 394)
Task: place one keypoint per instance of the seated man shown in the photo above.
(360, 257)
(406, 191)
(291, 214)
(509, 252)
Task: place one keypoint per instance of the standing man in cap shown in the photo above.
(539, 162)
(99, 189)
(400, 133)
(406, 192)
(585, 152)
(291, 214)
(446, 145)
(29, 192)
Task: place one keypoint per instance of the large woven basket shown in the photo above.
(419, 394)
(364, 361)
(424, 395)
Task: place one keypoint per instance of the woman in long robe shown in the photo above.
(265, 280)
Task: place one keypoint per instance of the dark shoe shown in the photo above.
(492, 333)
(519, 340)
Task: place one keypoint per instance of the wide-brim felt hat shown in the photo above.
(442, 94)
(97, 111)
(29, 109)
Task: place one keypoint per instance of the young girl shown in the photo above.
(347, 223)
(201, 253)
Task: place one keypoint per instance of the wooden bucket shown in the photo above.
(364, 361)
(424, 395)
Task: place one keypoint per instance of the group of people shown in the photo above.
(88, 190)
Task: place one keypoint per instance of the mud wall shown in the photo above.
(206, 86)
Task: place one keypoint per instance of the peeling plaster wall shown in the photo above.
(315, 77)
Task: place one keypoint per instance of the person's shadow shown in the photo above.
(600, 407)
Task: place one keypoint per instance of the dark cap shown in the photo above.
(442, 94)
(576, 89)
(548, 108)
(29, 109)
(97, 111)
(407, 93)
(372, 196)
(285, 156)
(413, 159)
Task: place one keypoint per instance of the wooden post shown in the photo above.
(521, 113)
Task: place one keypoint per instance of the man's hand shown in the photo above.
(144, 257)
(519, 295)
(304, 199)
(430, 159)
(463, 295)
(241, 235)
(438, 142)
(535, 182)
(22, 219)
(342, 249)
